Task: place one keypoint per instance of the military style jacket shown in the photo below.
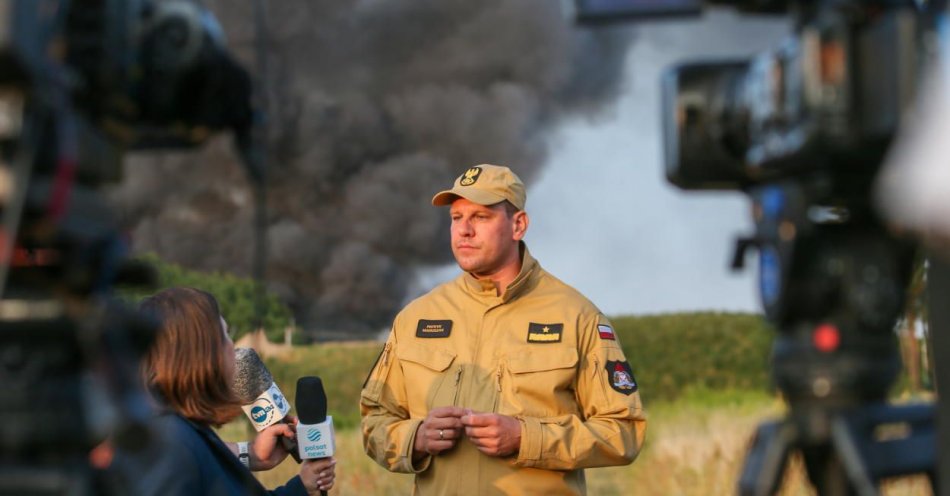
(541, 353)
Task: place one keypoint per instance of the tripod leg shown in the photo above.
(825, 471)
(938, 280)
(850, 457)
(766, 459)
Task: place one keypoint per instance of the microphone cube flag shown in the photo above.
(316, 440)
(268, 409)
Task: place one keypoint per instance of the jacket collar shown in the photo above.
(484, 289)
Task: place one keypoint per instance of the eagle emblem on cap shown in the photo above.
(470, 176)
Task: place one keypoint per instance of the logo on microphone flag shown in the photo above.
(261, 411)
(316, 440)
(313, 435)
(268, 409)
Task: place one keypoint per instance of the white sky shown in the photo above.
(603, 218)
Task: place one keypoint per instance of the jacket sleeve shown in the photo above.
(164, 475)
(611, 427)
(388, 431)
(293, 487)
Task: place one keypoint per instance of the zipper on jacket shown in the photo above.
(597, 379)
(498, 373)
(458, 381)
(381, 361)
(501, 369)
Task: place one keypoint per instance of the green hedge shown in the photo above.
(670, 354)
(717, 351)
(341, 366)
(236, 295)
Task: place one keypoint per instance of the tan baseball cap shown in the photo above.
(485, 184)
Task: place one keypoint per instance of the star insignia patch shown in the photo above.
(544, 333)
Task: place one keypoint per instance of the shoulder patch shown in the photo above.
(433, 328)
(606, 332)
(544, 333)
(620, 377)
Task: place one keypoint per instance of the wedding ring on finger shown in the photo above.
(441, 434)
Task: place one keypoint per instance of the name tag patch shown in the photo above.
(544, 333)
(433, 328)
(621, 377)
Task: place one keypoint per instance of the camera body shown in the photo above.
(803, 130)
(135, 74)
(830, 98)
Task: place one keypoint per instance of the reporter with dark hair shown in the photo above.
(190, 369)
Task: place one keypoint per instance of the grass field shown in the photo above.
(695, 447)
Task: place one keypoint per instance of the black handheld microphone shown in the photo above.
(315, 428)
(262, 401)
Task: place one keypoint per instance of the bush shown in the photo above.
(715, 351)
(236, 295)
(341, 366)
(703, 358)
(670, 355)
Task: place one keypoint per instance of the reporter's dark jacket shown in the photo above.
(192, 460)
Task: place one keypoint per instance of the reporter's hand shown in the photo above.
(440, 431)
(318, 475)
(266, 451)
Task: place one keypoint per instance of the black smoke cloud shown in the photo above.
(373, 107)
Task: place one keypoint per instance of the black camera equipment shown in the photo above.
(803, 131)
(80, 82)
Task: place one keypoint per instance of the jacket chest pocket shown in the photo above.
(430, 380)
(538, 383)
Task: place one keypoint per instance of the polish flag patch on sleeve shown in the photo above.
(606, 332)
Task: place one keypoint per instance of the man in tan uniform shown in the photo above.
(504, 380)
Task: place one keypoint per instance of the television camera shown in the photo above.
(82, 81)
(803, 130)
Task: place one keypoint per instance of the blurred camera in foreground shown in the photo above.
(82, 81)
(803, 130)
(830, 98)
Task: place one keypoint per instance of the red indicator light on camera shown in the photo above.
(826, 338)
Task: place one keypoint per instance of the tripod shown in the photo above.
(844, 458)
(848, 445)
(834, 289)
